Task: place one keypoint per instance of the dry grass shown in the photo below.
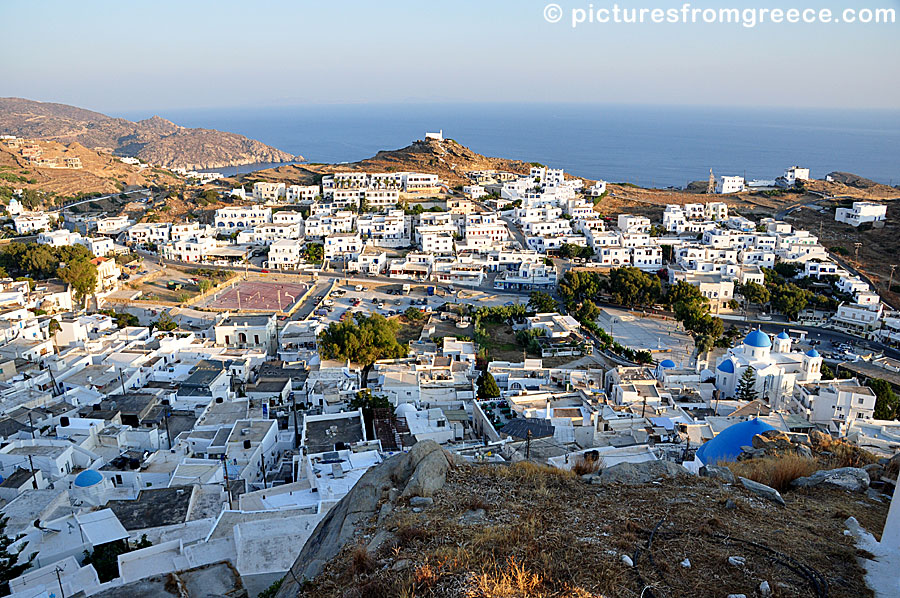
(546, 534)
(844, 454)
(584, 466)
(775, 472)
(511, 581)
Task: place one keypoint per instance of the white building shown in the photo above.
(792, 175)
(730, 184)
(257, 332)
(835, 403)
(343, 245)
(302, 193)
(30, 222)
(630, 223)
(268, 192)
(777, 367)
(862, 212)
(285, 254)
(234, 218)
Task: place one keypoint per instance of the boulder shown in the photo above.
(763, 491)
(429, 474)
(818, 438)
(717, 472)
(421, 501)
(639, 473)
(421, 473)
(853, 479)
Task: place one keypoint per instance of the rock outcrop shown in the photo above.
(637, 473)
(854, 479)
(421, 472)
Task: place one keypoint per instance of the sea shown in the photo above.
(650, 146)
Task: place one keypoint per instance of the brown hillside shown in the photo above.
(100, 172)
(154, 140)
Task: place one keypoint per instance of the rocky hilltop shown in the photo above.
(446, 158)
(427, 523)
(154, 140)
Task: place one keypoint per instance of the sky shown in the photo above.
(116, 56)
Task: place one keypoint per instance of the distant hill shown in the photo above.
(154, 140)
(447, 159)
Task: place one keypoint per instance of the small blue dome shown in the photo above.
(812, 353)
(727, 445)
(759, 339)
(783, 336)
(667, 363)
(726, 366)
(88, 478)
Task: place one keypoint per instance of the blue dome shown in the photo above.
(784, 336)
(88, 478)
(726, 366)
(759, 339)
(812, 353)
(727, 445)
(666, 363)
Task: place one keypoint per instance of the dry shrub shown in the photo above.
(775, 472)
(361, 562)
(844, 454)
(535, 473)
(426, 576)
(584, 466)
(511, 580)
(474, 502)
(409, 532)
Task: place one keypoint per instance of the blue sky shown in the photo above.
(118, 56)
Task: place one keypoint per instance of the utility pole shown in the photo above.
(528, 445)
(62, 593)
(168, 434)
(890, 280)
(227, 484)
(857, 245)
(296, 424)
(33, 473)
(31, 423)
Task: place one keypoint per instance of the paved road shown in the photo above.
(93, 199)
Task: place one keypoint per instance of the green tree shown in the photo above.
(746, 390)
(210, 195)
(314, 253)
(827, 372)
(104, 558)
(577, 286)
(10, 567)
(542, 302)
(790, 300)
(684, 292)
(362, 340)
(788, 269)
(413, 313)
(632, 287)
(368, 402)
(487, 386)
(53, 327)
(887, 405)
(164, 323)
(754, 293)
(82, 275)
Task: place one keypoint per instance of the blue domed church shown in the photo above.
(778, 367)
